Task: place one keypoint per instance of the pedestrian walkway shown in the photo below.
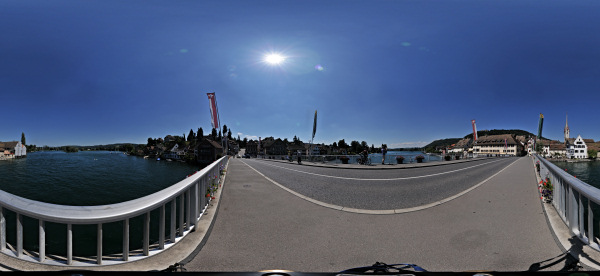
(498, 226)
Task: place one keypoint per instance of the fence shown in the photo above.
(575, 201)
(186, 202)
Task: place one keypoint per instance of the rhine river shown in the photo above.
(588, 172)
(88, 177)
(85, 178)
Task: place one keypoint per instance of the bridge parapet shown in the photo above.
(576, 202)
(186, 199)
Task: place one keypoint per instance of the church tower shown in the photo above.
(567, 129)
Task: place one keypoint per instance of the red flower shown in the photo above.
(212, 197)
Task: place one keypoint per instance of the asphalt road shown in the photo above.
(380, 189)
(499, 225)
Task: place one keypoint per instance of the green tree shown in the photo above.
(229, 135)
(342, 144)
(220, 136)
(592, 153)
(191, 136)
(214, 134)
(200, 133)
(334, 145)
(224, 129)
(23, 138)
(355, 146)
(244, 142)
(364, 145)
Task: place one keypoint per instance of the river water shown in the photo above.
(86, 178)
(588, 172)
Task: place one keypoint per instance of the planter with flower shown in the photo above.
(419, 158)
(546, 189)
(399, 159)
(344, 159)
(447, 157)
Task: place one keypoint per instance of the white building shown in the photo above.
(13, 149)
(576, 148)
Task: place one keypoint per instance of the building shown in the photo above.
(13, 149)
(272, 146)
(462, 146)
(552, 148)
(208, 151)
(176, 153)
(497, 145)
(576, 148)
(252, 148)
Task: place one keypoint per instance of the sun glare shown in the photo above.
(274, 59)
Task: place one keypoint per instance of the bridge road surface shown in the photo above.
(499, 226)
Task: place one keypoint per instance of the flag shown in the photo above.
(474, 130)
(314, 126)
(505, 143)
(214, 112)
(540, 126)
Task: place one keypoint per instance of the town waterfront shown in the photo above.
(86, 178)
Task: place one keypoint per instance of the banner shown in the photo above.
(314, 126)
(214, 112)
(540, 126)
(474, 130)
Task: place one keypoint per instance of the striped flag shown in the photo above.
(505, 143)
(474, 130)
(214, 112)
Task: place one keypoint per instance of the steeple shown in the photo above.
(567, 128)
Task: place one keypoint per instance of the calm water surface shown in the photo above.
(588, 172)
(89, 177)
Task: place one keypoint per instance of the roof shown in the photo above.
(464, 143)
(496, 140)
(588, 141)
(212, 143)
(9, 145)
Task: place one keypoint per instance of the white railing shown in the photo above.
(572, 198)
(187, 201)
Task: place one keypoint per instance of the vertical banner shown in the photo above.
(474, 130)
(214, 112)
(540, 126)
(314, 126)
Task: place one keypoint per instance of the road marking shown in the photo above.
(381, 179)
(378, 212)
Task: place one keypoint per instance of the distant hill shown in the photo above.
(450, 141)
(443, 142)
(517, 132)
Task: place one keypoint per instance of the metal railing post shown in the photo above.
(173, 233)
(590, 220)
(161, 228)
(580, 217)
(126, 239)
(2, 230)
(181, 214)
(146, 245)
(42, 240)
(69, 244)
(187, 210)
(99, 243)
(19, 235)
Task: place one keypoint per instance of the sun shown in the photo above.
(274, 59)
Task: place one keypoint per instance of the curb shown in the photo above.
(392, 166)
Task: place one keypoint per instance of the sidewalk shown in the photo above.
(378, 166)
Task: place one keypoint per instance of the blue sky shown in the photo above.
(402, 73)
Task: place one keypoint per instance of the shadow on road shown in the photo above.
(569, 259)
